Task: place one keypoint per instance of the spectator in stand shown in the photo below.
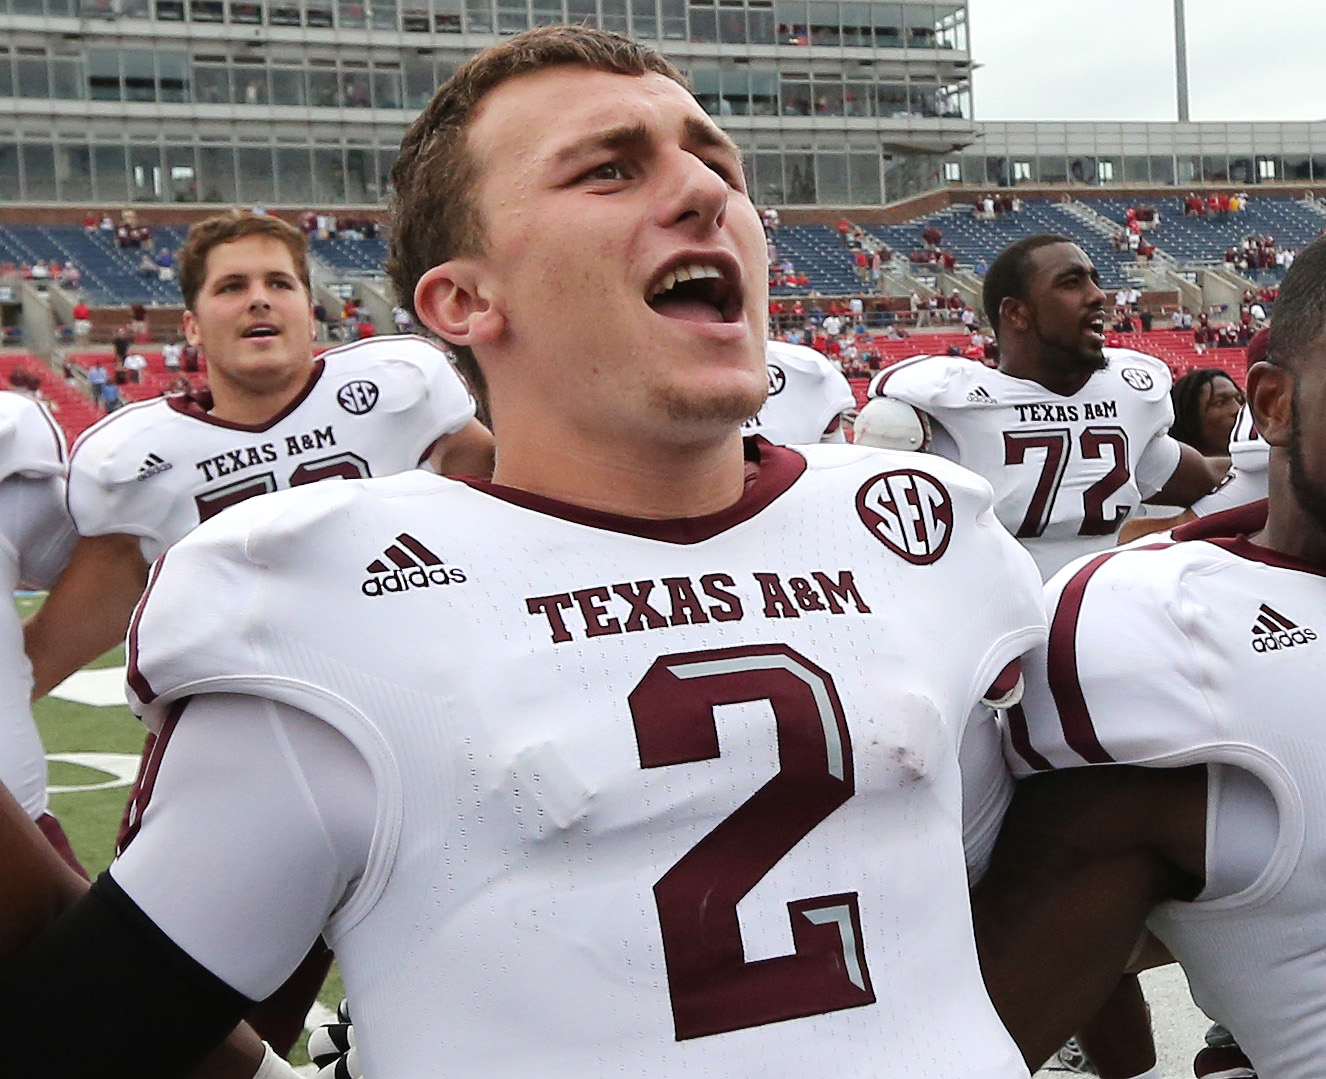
(121, 341)
(110, 396)
(190, 359)
(138, 322)
(106, 227)
(861, 263)
(400, 318)
(146, 266)
(134, 365)
(364, 327)
(844, 227)
(90, 223)
(876, 269)
(308, 223)
(82, 321)
(1206, 404)
(97, 376)
(171, 354)
(179, 385)
(955, 304)
(932, 237)
(165, 265)
(73, 276)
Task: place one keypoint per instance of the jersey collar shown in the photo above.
(770, 471)
(198, 405)
(1230, 530)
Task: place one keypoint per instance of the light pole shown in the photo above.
(1181, 60)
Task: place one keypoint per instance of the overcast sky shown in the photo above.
(1074, 60)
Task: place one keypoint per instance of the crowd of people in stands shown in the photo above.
(1255, 253)
(1215, 206)
(325, 226)
(991, 207)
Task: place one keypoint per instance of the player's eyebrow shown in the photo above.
(614, 138)
(695, 130)
(709, 136)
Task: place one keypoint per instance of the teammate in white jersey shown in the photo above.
(807, 398)
(273, 417)
(1072, 435)
(36, 538)
(638, 760)
(1176, 717)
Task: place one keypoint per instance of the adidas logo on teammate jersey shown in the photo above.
(152, 464)
(408, 564)
(1273, 631)
(981, 396)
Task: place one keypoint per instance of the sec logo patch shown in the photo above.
(357, 397)
(1137, 378)
(777, 380)
(911, 513)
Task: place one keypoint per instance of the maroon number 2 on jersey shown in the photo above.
(712, 986)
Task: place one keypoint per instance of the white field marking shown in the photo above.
(120, 767)
(100, 688)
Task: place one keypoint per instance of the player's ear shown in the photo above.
(190, 326)
(453, 301)
(1013, 312)
(1271, 398)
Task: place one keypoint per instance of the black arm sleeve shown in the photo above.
(103, 991)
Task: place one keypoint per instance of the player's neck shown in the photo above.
(237, 404)
(1291, 530)
(634, 479)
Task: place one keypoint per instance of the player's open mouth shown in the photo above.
(697, 291)
(1095, 327)
(260, 329)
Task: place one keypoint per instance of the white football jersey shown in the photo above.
(655, 798)
(1067, 471)
(155, 469)
(806, 395)
(1207, 650)
(36, 539)
(1246, 481)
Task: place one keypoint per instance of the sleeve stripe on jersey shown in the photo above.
(1062, 674)
(137, 681)
(1061, 661)
(887, 374)
(146, 781)
(56, 433)
(1020, 736)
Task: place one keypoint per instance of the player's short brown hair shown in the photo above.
(227, 228)
(433, 213)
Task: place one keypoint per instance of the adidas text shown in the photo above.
(402, 580)
(1273, 642)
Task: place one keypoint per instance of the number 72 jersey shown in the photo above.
(156, 469)
(1066, 471)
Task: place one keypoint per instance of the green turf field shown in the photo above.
(92, 817)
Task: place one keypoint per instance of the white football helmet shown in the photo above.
(892, 425)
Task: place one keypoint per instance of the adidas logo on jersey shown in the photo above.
(408, 564)
(1273, 631)
(152, 464)
(981, 396)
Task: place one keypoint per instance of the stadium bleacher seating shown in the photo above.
(69, 404)
(351, 257)
(974, 241)
(110, 274)
(816, 252)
